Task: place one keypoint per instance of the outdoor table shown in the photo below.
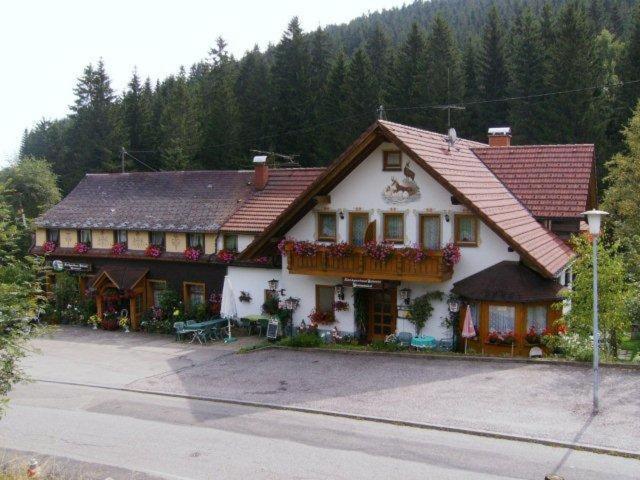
(423, 342)
(199, 328)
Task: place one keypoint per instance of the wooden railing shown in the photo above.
(433, 269)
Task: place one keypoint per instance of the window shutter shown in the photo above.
(370, 234)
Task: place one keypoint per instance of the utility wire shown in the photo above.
(124, 152)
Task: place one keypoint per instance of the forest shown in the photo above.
(559, 71)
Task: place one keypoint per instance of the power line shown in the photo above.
(124, 153)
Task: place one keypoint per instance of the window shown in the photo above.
(537, 317)
(193, 294)
(502, 318)
(53, 235)
(324, 298)
(84, 236)
(156, 287)
(327, 226)
(466, 228)
(230, 243)
(430, 231)
(393, 227)
(120, 236)
(475, 317)
(391, 161)
(156, 238)
(358, 223)
(195, 240)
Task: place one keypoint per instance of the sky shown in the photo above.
(44, 45)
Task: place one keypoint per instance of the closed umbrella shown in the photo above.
(228, 307)
(468, 330)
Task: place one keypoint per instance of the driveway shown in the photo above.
(545, 401)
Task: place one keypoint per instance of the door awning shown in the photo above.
(123, 277)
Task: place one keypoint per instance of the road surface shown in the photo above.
(176, 438)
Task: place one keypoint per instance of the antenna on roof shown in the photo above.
(449, 106)
(288, 157)
(125, 153)
(382, 115)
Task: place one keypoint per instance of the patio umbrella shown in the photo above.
(228, 306)
(468, 330)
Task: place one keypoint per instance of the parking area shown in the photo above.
(546, 401)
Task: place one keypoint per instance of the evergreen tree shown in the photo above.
(630, 69)
(377, 49)
(291, 88)
(136, 113)
(471, 124)
(528, 74)
(442, 81)
(361, 95)
(405, 76)
(494, 77)
(334, 112)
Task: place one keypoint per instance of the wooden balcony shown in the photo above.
(431, 270)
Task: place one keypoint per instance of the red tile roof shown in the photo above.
(264, 206)
(475, 185)
(553, 181)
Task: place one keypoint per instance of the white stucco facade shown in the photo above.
(361, 191)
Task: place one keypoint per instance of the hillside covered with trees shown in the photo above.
(558, 71)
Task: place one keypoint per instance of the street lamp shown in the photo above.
(594, 217)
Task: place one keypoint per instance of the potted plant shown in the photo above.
(245, 297)
(123, 322)
(81, 247)
(305, 248)
(494, 337)
(226, 256)
(94, 321)
(339, 250)
(193, 254)
(153, 251)
(414, 253)
(119, 248)
(451, 254)
(340, 306)
(532, 337)
(49, 246)
(110, 320)
(321, 318)
(509, 338)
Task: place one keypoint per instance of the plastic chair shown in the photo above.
(179, 328)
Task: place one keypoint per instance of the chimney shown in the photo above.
(260, 172)
(500, 137)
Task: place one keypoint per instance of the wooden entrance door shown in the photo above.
(382, 314)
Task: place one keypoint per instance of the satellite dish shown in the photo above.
(452, 136)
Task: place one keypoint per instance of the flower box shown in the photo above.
(153, 251)
(81, 247)
(49, 246)
(119, 248)
(226, 256)
(193, 254)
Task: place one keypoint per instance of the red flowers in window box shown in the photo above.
(261, 260)
(339, 250)
(192, 253)
(81, 247)
(119, 248)
(153, 251)
(305, 248)
(414, 253)
(321, 318)
(451, 254)
(226, 256)
(340, 306)
(502, 338)
(532, 336)
(379, 251)
(49, 246)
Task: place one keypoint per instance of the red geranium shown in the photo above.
(119, 248)
(81, 247)
(451, 254)
(379, 251)
(49, 246)
(192, 253)
(414, 253)
(305, 248)
(321, 318)
(153, 251)
(339, 250)
(226, 256)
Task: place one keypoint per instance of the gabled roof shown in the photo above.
(124, 277)
(508, 282)
(264, 206)
(552, 181)
(460, 172)
(189, 201)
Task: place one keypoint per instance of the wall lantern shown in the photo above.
(454, 305)
(273, 284)
(291, 303)
(405, 294)
(339, 290)
(446, 217)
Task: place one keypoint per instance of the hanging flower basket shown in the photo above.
(321, 318)
(379, 251)
(119, 248)
(193, 254)
(226, 256)
(340, 306)
(153, 251)
(339, 250)
(49, 246)
(451, 254)
(81, 247)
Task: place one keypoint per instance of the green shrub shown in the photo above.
(303, 340)
(380, 345)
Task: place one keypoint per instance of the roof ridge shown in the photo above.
(443, 135)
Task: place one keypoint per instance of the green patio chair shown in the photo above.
(180, 331)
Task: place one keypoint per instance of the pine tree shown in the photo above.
(291, 91)
(361, 95)
(405, 77)
(471, 123)
(630, 68)
(494, 78)
(377, 49)
(442, 81)
(136, 113)
(528, 74)
(334, 115)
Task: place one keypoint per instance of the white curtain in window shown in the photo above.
(328, 226)
(85, 236)
(196, 240)
(395, 226)
(358, 229)
(467, 229)
(53, 235)
(475, 317)
(537, 317)
(157, 238)
(121, 236)
(196, 294)
(502, 318)
(431, 232)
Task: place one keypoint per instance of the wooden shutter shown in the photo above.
(370, 233)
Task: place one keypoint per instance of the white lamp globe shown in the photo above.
(594, 218)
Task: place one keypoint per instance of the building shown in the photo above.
(130, 236)
(408, 186)
(411, 196)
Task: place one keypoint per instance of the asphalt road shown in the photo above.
(178, 438)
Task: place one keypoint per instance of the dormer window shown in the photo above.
(466, 230)
(392, 161)
(53, 235)
(156, 238)
(84, 236)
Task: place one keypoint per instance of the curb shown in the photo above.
(352, 416)
(445, 356)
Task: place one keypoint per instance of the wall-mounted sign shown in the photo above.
(362, 283)
(60, 266)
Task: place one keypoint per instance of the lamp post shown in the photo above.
(594, 218)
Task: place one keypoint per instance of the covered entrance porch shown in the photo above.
(376, 306)
(120, 288)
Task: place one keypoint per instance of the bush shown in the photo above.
(380, 345)
(572, 346)
(303, 340)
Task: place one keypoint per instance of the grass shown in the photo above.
(632, 345)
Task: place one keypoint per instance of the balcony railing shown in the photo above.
(433, 269)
